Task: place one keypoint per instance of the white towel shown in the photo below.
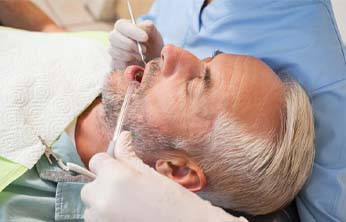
(46, 80)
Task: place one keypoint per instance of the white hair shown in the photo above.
(246, 172)
(249, 172)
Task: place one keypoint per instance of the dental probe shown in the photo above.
(134, 22)
(120, 121)
(110, 150)
(121, 117)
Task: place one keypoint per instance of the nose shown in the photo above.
(177, 61)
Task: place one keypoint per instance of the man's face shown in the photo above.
(180, 95)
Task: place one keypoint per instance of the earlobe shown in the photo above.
(183, 171)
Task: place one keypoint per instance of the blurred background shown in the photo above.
(79, 15)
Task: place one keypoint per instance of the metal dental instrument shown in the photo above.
(49, 154)
(134, 22)
(120, 121)
(66, 167)
(121, 117)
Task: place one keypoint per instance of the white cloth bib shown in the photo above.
(46, 80)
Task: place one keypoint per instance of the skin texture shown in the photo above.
(241, 86)
(178, 100)
(90, 135)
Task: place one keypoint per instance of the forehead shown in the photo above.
(240, 74)
(239, 65)
(234, 76)
(246, 88)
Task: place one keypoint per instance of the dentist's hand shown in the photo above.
(125, 189)
(124, 50)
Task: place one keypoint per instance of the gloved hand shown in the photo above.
(125, 189)
(124, 50)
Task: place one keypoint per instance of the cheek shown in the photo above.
(169, 112)
(165, 108)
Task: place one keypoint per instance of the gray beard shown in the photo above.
(146, 140)
(113, 96)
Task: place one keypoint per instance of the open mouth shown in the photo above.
(134, 73)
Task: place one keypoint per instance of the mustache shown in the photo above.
(150, 76)
(155, 64)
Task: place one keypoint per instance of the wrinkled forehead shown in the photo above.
(248, 89)
(240, 65)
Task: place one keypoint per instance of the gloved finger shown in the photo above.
(123, 62)
(85, 194)
(118, 54)
(123, 148)
(100, 161)
(90, 215)
(144, 48)
(118, 40)
(88, 194)
(148, 26)
(130, 30)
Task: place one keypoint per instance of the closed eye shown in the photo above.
(206, 77)
(204, 81)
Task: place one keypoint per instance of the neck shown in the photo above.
(90, 133)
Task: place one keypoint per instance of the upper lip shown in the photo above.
(138, 73)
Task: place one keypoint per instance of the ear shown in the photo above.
(182, 170)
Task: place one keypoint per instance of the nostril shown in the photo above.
(162, 57)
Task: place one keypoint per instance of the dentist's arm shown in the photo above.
(26, 15)
(126, 189)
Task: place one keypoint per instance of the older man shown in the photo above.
(187, 116)
(226, 127)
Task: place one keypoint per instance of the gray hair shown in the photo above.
(249, 172)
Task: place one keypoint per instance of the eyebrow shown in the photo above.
(216, 53)
(207, 77)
